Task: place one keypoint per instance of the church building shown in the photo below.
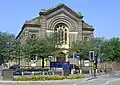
(59, 18)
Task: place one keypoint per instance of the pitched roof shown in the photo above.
(45, 12)
(36, 20)
(87, 26)
(31, 23)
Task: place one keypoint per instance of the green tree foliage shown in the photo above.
(83, 47)
(6, 41)
(15, 50)
(40, 47)
(107, 49)
(10, 48)
(111, 50)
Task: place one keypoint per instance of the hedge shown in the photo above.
(34, 69)
(46, 77)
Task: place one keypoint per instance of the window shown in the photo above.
(33, 58)
(65, 36)
(62, 31)
(60, 35)
(86, 38)
(33, 36)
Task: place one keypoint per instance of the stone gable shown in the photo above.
(45, 24)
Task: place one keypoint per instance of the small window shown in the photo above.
(33, 36)
(86, 38)
(33, 57)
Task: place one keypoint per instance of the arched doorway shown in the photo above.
(61, 57)
(62, 39)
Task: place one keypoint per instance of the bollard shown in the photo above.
(80, 71)
(33, 72)
(90, 72)
(22, 73)
(53, 73)
(43, 73)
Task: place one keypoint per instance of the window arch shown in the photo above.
(62, 31)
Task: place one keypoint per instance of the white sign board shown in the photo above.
(33, 65)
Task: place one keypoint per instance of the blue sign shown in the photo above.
(77, 57)
(98, 59)
(59, 64)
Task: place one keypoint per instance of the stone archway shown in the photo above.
(61, 57)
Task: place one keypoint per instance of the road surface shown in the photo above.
(104, 80)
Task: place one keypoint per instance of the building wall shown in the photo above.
(48, 23)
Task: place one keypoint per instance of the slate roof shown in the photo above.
(87, 26)
(36, 20)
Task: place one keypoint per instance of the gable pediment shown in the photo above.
(61, 8)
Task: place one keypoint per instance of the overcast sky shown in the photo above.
(104, 15)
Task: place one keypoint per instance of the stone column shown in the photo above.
(80, 34)
(42, 32)
(66, 54)
(66, 57)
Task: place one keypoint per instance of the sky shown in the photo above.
(104, 15)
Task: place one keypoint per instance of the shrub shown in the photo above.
(46, 77)
(74, 77)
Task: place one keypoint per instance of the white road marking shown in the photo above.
(74, 84)
(107, 82)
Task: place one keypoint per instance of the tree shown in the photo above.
(16, 50)
(111, 50)
(6, 41)
(40, 47)
(83, 47)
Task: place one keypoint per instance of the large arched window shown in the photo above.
(62, 31)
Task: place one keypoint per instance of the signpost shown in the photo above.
(91, 58)
(98, 60)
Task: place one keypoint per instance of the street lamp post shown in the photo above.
(74, 60)
(50, 61)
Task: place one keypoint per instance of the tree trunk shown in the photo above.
(42, 62)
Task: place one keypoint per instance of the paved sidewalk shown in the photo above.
(65, 80)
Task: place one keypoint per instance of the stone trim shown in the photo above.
(73, 32)
(90, 29)
(49, 31)
(61, 19)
